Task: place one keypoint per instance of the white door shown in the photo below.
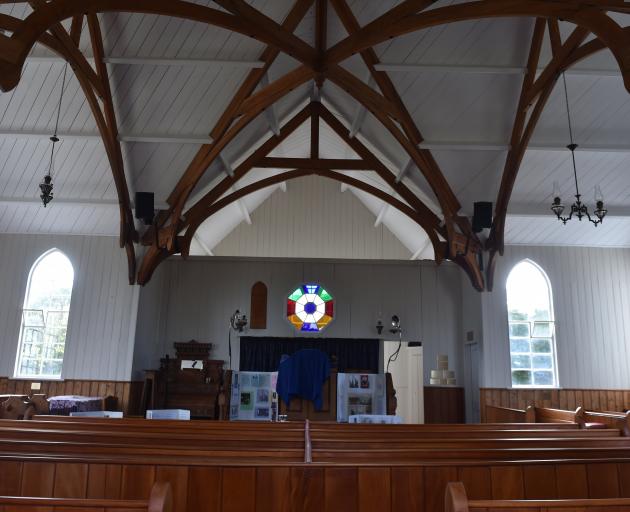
(407, 377)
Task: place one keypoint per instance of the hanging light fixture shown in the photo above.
(46, 186)
(578, 208)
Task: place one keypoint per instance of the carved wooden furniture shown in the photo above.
(190, 381)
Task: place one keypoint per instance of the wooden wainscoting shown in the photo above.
(127, 392)
(444, 404)
(589, 399)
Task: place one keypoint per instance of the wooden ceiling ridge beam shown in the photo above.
(393, 24)
(248, 21)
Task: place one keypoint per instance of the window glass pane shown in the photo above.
(519, 345)
(45, 317)
(530, 326)
(521, 362)
(519, 329)
(543, 378)
(541, 346)
(542, 362)
(33, 317)
(542, 329)
(521, 377)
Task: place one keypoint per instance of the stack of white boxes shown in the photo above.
(442, 376)
(168, 414)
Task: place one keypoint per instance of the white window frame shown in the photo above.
(19, 356)
(530, 338)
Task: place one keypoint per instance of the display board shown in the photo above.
(253, 396)
(360, 393)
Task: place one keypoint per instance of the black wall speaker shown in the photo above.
(482, 216)
(144, 207)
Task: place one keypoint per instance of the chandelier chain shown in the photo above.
(572, 146)
(54, 138)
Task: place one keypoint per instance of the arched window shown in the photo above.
(531, 327)
(45, 317)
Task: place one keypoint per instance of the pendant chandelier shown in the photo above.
(578, 208)
(46, 186)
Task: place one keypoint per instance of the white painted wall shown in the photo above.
(194, 299)
(591, 292)
(313, 219)
(101, 325)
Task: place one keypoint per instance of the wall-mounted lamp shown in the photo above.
(396, 329)
(238, 321)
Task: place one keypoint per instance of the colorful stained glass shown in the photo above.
(310, 308)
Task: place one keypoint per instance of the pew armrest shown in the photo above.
(161, 498)
(455, 499)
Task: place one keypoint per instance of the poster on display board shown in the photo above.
(360, 393)
(252, 396)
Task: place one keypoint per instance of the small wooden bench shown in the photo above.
(455, 500)
(160, 500)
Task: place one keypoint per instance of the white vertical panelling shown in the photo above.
(98, 339)
(194, 299)
(592, 312)
(313, 219)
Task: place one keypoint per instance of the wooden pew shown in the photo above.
(246, 466)
(456, 500)
(583, 419)
(496, 414)
(617, 420)
(160, 500)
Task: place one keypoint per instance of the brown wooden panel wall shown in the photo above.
(444, 405)
(128, 393)
(308, 488)
(590, 399)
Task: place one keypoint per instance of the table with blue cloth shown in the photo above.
(302, 375)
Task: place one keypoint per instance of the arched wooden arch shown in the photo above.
(317, 63)
(192, 225)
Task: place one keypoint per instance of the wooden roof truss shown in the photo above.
(450, 233)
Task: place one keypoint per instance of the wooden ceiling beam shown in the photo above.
(339, 164)
(381, 78)
(268, 56)
(523, 127)
(249, 22)
(429, 217)
(128, 234)
(582, 14)
(213, 208)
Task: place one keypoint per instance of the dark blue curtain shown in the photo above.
(263, 354)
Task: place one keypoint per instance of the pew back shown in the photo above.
(160, 500)
(456, 500)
